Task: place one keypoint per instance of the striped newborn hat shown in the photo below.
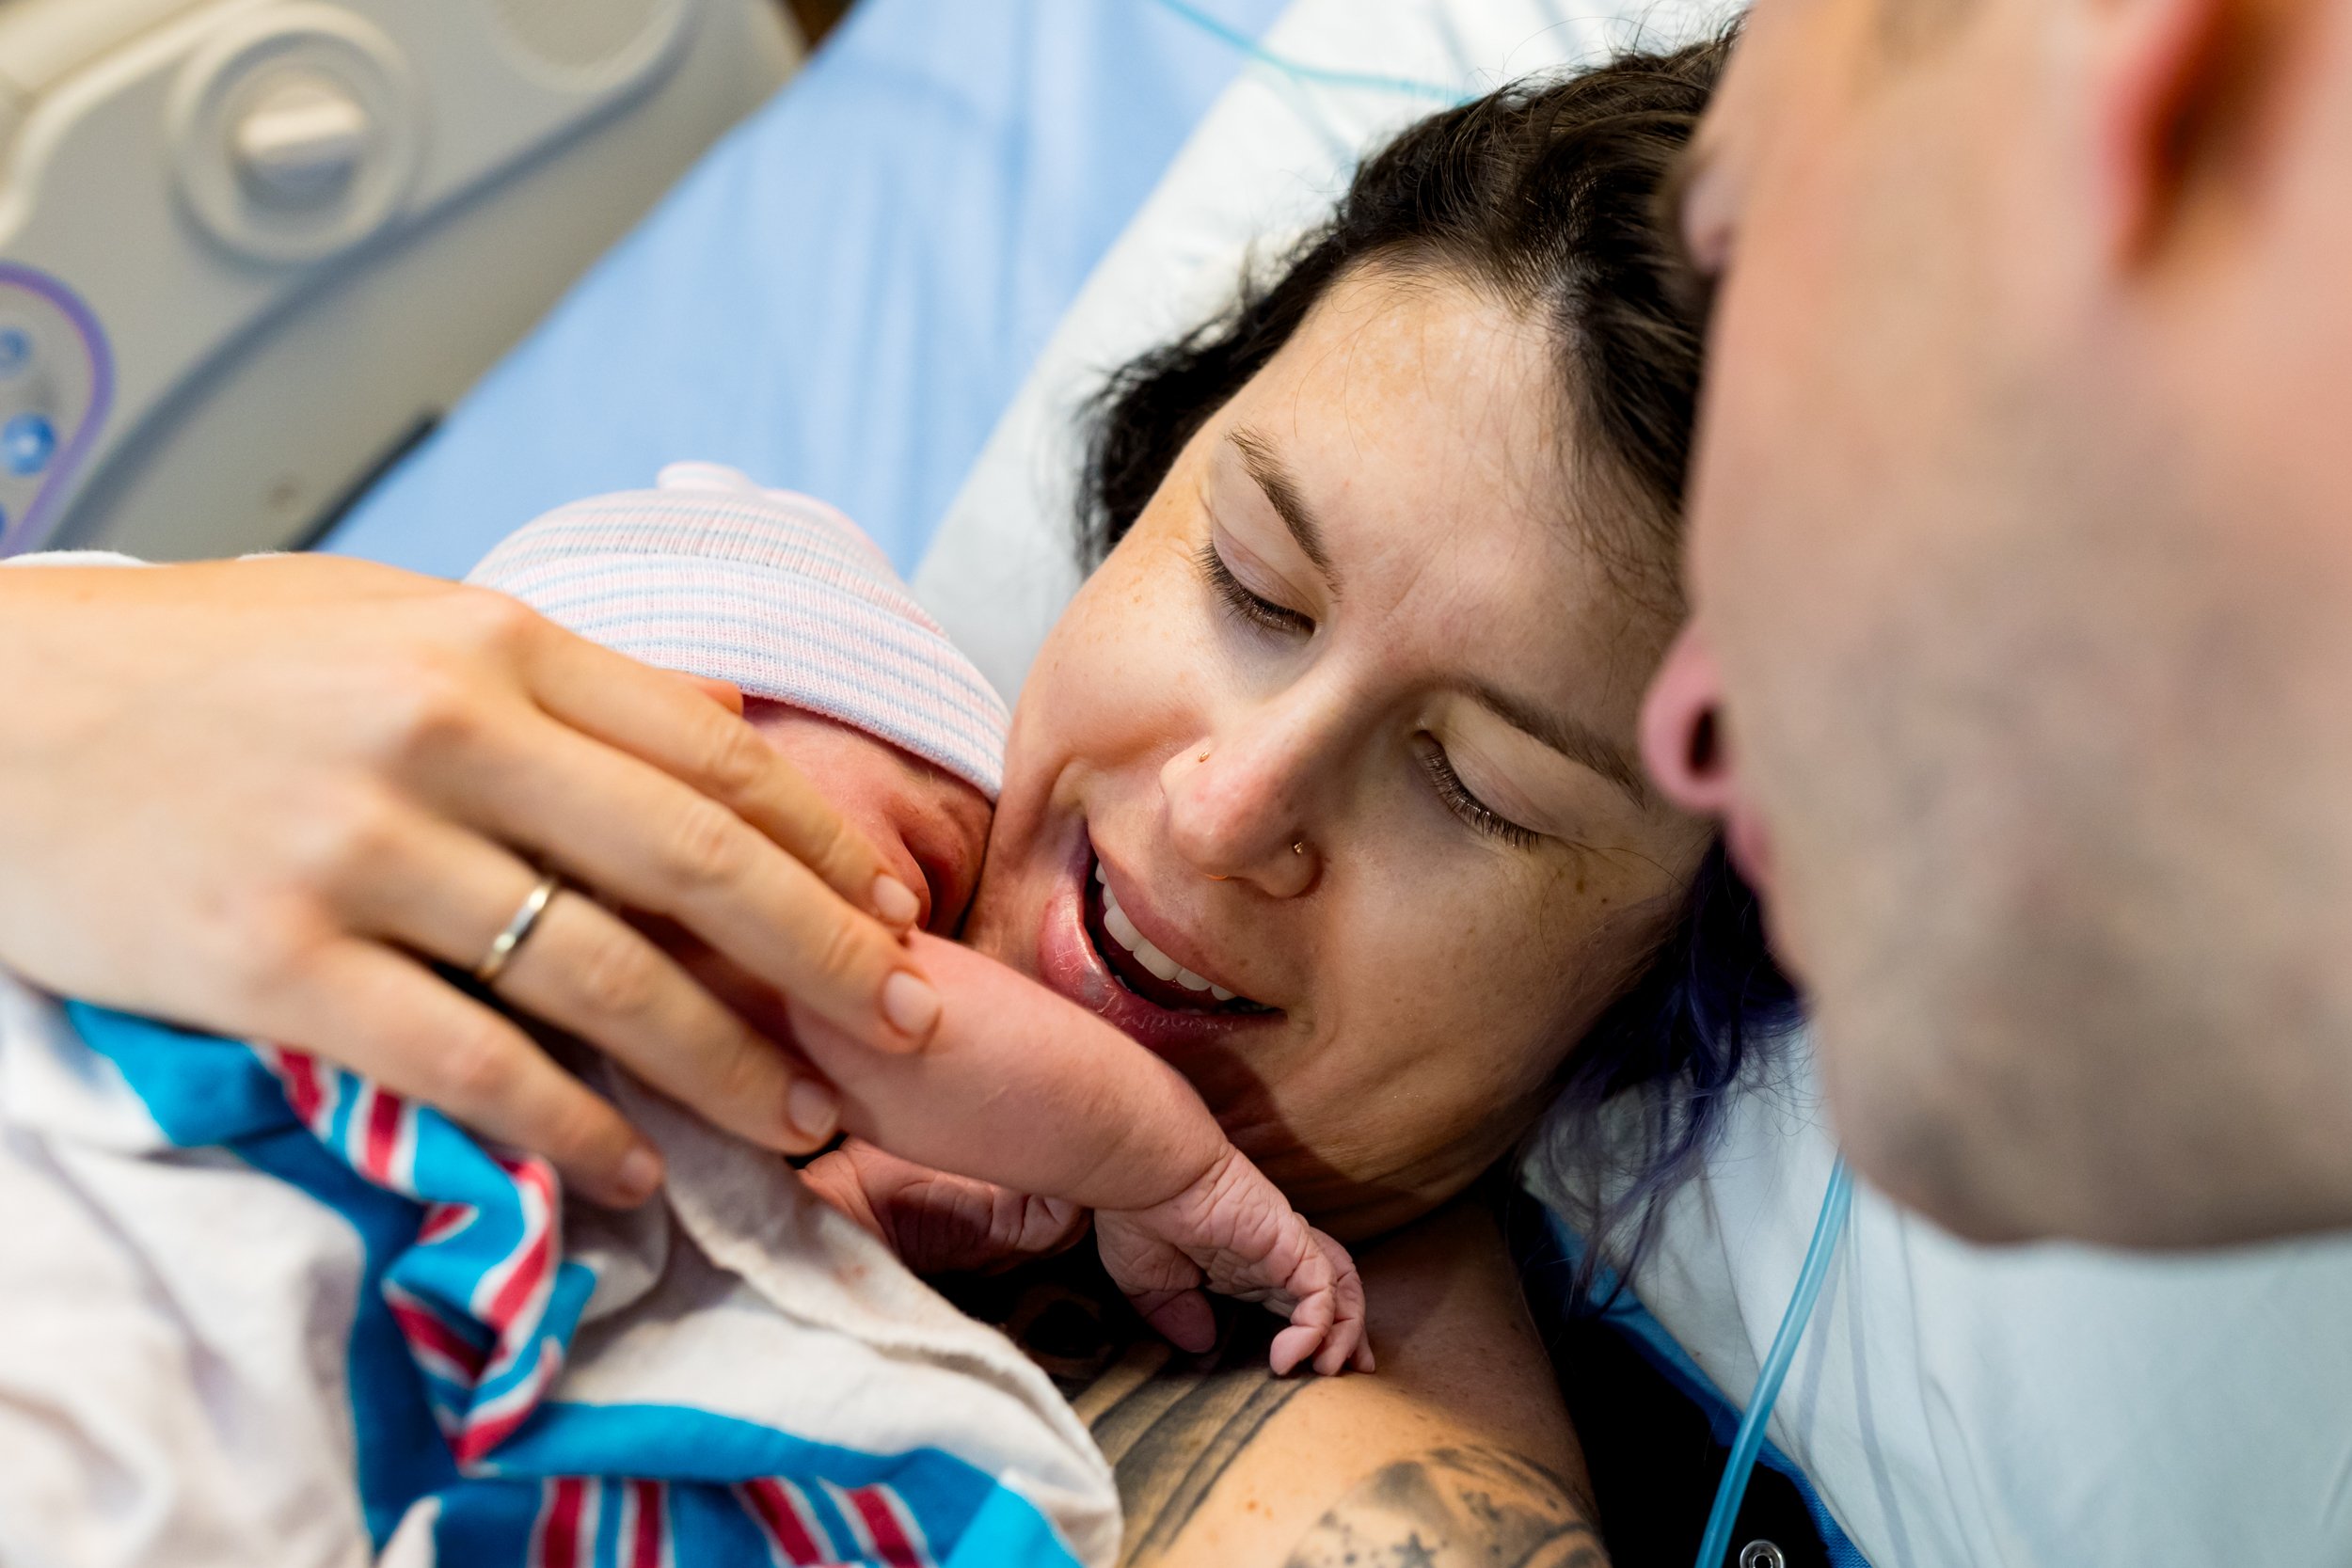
(710, 575)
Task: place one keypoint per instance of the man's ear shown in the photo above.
(2175, 88)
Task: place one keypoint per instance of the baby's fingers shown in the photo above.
(1293, 1346)
(1182, 1318)
(1349, 1343)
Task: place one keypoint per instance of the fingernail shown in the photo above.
(910, 1004)
(640, 1174)
(895, 901)
(814, 1108)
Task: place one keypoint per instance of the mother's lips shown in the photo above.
(1076, 958)
(1123, 930)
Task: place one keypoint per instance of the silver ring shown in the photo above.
(501, 952)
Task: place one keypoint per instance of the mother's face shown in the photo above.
(1344, 731)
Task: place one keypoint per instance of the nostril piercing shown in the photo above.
(1300, 848)
(1202, 757)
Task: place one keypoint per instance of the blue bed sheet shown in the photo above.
(845, 292)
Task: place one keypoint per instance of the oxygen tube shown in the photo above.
(1733, 1489)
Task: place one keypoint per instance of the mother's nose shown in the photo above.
(1233, 811)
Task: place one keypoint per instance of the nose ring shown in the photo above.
(1300, 848)
(1202, 757)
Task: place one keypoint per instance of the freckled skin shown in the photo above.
(1431, 979)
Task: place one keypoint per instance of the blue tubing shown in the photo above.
(1733, 1489)
(1302, 73)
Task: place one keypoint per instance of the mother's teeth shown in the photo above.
(1124, 932)
(1221, 993)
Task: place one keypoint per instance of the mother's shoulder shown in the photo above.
(1457, 1448)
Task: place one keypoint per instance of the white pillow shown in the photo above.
(1270, 160)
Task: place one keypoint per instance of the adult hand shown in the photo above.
(257, 797)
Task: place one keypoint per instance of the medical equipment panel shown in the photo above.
(249, 248)
(56, 384)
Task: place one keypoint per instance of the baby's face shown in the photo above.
(1344, 731)
(929, 825)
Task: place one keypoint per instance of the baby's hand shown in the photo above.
(938, 1222)
(1234, 1232)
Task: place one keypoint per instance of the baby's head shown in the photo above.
(778, 598)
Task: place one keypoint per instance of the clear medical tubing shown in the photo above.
(1733, 1489)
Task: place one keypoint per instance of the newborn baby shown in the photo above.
(1026, 1110)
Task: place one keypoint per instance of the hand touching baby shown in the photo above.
(1027, 1111)
(1023, 1110)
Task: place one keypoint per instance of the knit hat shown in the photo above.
(779, 593)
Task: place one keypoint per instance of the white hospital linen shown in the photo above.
(1958, 1406)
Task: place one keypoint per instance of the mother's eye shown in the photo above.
(1461, 802)
(1251, 608)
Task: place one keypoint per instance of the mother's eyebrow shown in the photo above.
(1571, 737)
(1281, 493)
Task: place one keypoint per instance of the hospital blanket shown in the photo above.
(267, 1313)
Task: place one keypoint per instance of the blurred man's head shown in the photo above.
(2022, 559)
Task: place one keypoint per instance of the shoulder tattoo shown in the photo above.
(1171, 1424)
(1455, 1508)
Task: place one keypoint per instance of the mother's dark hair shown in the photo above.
(1545, 192)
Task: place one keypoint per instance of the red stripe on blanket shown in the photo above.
(783, 1517)
(538, 1182)
(645, 1548)
(384, 1110)
(426, 1332)
(878, 1510)
(559, 1523)
(300, 1075)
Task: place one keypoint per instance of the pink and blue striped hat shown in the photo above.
(710, 575)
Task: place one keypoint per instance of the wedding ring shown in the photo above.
(518, 930)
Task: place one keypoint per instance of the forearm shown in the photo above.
(1025, 1090)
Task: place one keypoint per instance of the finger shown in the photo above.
(1350, 1331)
(1293, 1346)
(1182, 1318)
(585, 970)
(834, 1180)
(726, 693)
(638, 709)
(641, 836)
(387, 1017)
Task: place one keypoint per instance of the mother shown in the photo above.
(1343, 725)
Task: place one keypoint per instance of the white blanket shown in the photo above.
(207, 1360)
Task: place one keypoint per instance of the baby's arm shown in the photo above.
(1022, 1088)
(937, 1222)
